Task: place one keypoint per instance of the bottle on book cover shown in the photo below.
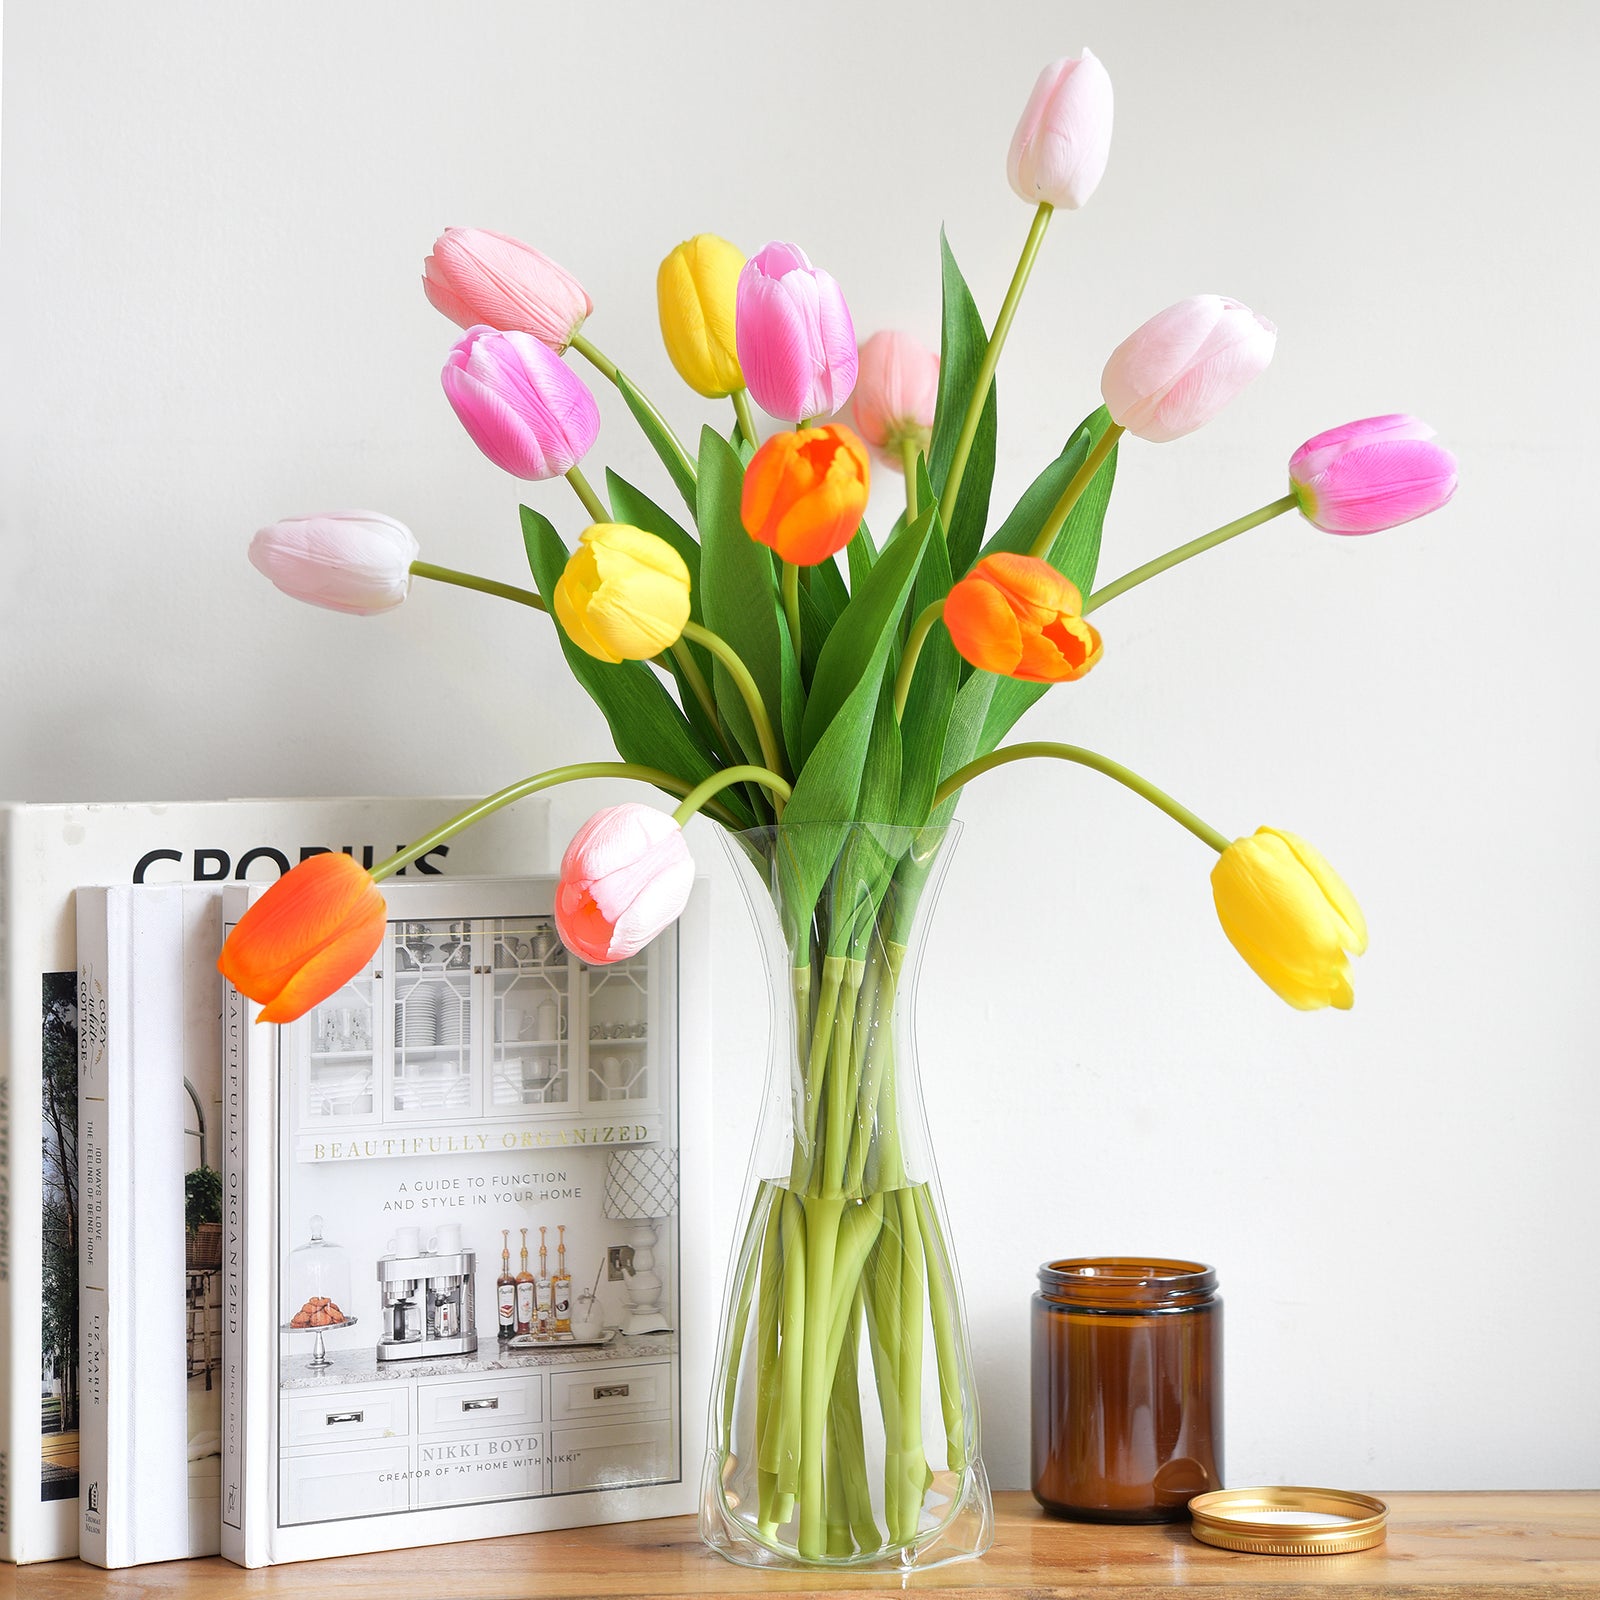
(524, 1291)
(543, 1297)
(505, 1289)
(561, 1285)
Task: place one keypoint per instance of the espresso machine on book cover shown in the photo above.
(427, 1297)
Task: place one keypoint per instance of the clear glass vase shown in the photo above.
(844, 1418)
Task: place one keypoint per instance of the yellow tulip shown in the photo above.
(624, 595)
(1285, 910)
(695, 291)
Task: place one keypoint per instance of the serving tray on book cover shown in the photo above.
(532, 1341)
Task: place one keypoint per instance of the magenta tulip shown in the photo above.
(1058, 153)
(476, 277)
(1372, 474)
(796, 343)
(524, 407)
(1184, 365)
(626, 876)
(353, 561)
(897, 388)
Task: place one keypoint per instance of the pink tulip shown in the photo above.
(1372, 474)
(524, 407)
(794, 336)
(626, 875)
(353, 561)
(477, 277)
(1184, 365)
(1058, 153)
(896, 391)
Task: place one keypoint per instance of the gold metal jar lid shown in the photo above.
(1289, 1520)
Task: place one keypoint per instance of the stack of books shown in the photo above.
(256, 1283)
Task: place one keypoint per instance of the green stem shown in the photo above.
(771, 751)
(608, 370)
(1081, 480)
(991, 360)
(697, 683)
(517, 791)
(1084, 758)
(718, 781)
(920, 629)
(1206, 541)
(791, 603)
(470, 580)
(747, 420)
(592, 503)
(908, 464)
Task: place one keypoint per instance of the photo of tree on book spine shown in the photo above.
(58, 1375)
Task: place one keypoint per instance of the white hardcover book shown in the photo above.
(135, 1429)
(468, 1290)
(46, 852)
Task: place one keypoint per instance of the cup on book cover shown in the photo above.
(406, 1242)
(512, 1023)
(446, 1241)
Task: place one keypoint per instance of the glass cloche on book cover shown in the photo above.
(318, 1289)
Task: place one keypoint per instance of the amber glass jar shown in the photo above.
(1127, 1388)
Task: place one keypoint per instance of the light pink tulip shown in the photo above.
(1058, 153)
(1184, 365)
(524, 407)
(626, 875)
(796, 343)
(897, 389)
(477, 277)
(1372, 474)
(353, 561)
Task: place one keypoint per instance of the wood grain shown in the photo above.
(1439, 1545)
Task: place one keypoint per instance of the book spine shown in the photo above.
(99, 1012)
(249, 1334)
(9, 1298)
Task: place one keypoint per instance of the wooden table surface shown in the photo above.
(1516, 1545)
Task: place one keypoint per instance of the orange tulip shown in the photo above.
(307, 936)
(1018, 616)
(805, 492)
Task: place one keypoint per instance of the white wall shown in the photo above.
(214, 223)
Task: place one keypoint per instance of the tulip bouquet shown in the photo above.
(829, 715)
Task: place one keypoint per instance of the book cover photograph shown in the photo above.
(471, 1290)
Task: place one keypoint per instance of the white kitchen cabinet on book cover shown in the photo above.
(46, 853)
(476, 1076)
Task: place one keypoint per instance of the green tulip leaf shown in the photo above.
(935, 681)
(739, 590)
(646, 726)
(678, 469)
(962, 343)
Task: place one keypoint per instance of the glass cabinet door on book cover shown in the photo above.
(530, 1019)
(344, 1046)
(618, 1067)
(431, 1061)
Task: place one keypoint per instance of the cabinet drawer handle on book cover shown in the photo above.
(613, 1391)
(481, 1405)
(345, 1416)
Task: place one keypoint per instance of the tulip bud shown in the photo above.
(626, 876)
(624, 594)
(1018, 616)
(797, 345)
(1286, 911)
(1184, 365)
(480, 278)
(523, 406)
(696, 292)
(897, 388)
(805, 493)
(353, 561)
(1058, 153)
(1371, 475)
(306, 937)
